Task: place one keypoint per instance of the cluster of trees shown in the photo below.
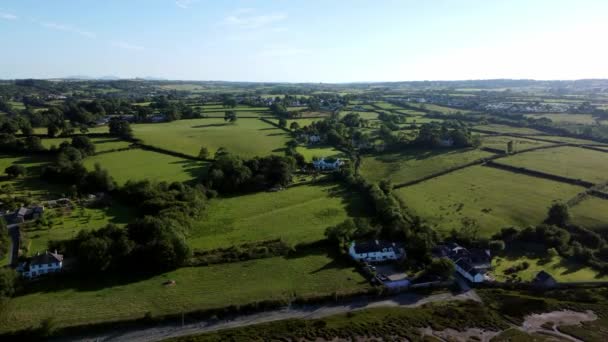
(10, 143)
(173, 110)
(68, 168)
(231, 174)
(146, 244)
(390, 219)
(155, 241)
(559, 237)
(121, 128)
(436, 134)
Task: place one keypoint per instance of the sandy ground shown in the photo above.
(534, 323)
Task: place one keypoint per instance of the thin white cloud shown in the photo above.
(245, 20)
(184, 3)
(8, 16)
(68, 28)
(127, 46)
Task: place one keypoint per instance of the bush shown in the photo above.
(15, 170)
(8, 282)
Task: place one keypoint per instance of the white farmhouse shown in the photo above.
(376, 251)
(314, 139)
(41, 264)
(327, 164)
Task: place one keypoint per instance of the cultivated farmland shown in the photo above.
(296, 215)
(494, 198)
(246, 137)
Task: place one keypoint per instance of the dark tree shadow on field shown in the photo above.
(268, 129)
(212, 125)
(107, 140)
(87, 282)
(354, 204)
(281, 149)
(195, 169)
(275, 134)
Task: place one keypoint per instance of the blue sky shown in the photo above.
(305, 40)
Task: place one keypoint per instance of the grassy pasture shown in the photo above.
(139, 164)
(500, 142)
(246, 137)
(572, 162)
(66, 224)
(591, 213)
(239, 114)
(101, 144)
(584, 119)
(311, 151)
(507, 129)
(29, 185)
(410, 112)
(80, 301)
(297, 215)
(415, 163)
(436, 108)
(570, 140)
(494, 198)
(386, 105)
(562, 270)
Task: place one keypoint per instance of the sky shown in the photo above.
(304, 40)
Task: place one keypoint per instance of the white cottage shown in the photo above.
(376, 251)
(41, 264)
(327, 164)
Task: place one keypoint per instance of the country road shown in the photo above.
(158, 333)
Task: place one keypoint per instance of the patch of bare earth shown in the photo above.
(471, 334)
(547, 323)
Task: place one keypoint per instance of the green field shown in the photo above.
(101, 144)
(572, 162)
(500, 143)
(297, 215)
(591, 213)
(139, 164)
(415, 163)
(570, 140)
(66, 224)
(562, 270)
(584, 119)
(311, 151)
(494, 198)
(29, 185)
(246, 137)
(507, 129)
(80, 301)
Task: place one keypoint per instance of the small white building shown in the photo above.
(327, 164)
(469, 272)
(314, 139)
(376, 251)
(41, 264)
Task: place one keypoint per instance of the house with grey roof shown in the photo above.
(41, 264)
(376, 251)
